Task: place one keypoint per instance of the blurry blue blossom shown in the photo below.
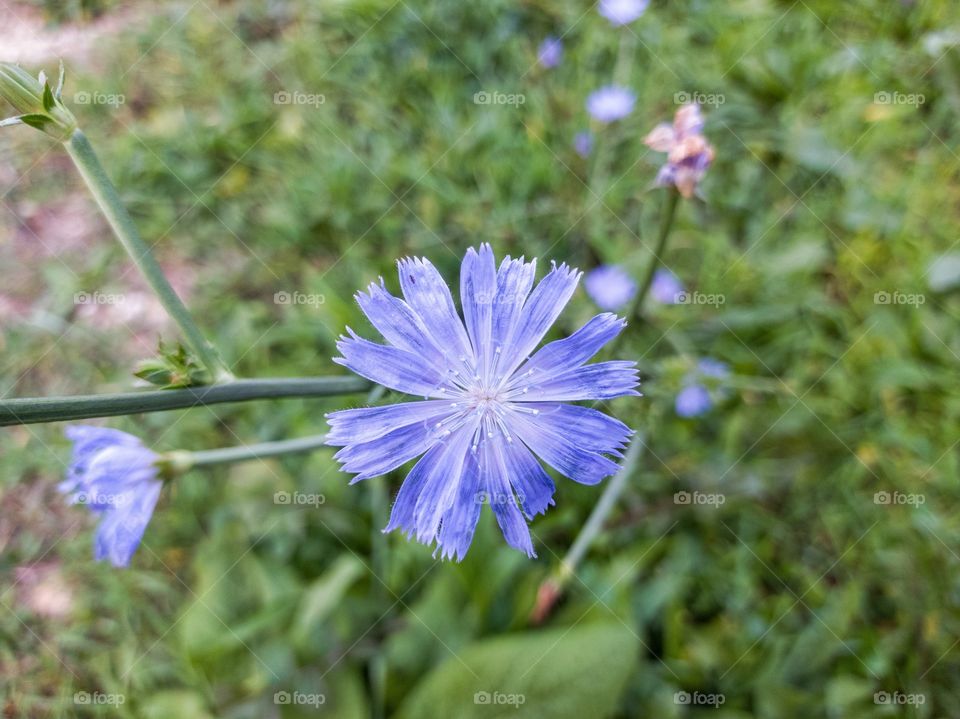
(551, 52)
(583, 143)
(491, 404)
(665, 287)
(610, 103)
(688, 152)
(694, 399)
(116, 477)
(610, 287)
(621, 12)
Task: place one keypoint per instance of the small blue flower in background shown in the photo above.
(694, 399)
(583, 143)
(551, 52)
(621, 12)
(610, 287)
(665, 287)
(610, 103)
(116, 477)
(491, 404)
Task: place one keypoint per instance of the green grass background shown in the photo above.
(799, 596)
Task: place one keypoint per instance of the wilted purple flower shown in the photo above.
(610, 287)
(694, 399)
(688, 152)
(116, 477)
(610, 103)
(583, 143)
(551, 52)
(665, 287)
(621, 12)
(491, 404)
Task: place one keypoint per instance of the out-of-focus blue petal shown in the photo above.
(540, 311)
(693, 401)
(427, 293)
(610, 103)
(559, 450)
(352, 426)
(583, 143)
(550, 52)
(622, 12)
(392, 367)
(570, 352)
(601, 380)
(610, 287)
(665, 287)
(121, 530)
(710, 367)
(478, 289)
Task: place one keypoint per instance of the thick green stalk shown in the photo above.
(182, 460)
(104, 192)
(57, 409)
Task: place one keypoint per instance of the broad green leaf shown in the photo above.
(578, 672)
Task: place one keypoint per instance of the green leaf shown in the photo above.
(48, 102)
(579, 672)
(325, 595)
(36, 121)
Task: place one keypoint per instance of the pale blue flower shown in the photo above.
(665, 287)
(610, 287)
(695, 399)
(117, 478)
(583, 143)
(551, 52)
(622, 12)
(491, 404)
(610, 103)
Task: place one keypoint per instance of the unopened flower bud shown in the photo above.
(36, 103)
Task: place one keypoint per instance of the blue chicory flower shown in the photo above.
(666, 287)
(694, 399)
(622, 12)
(610, 287)
(610, 103)
(491, 404)
(117, 478)
(551, 52)
(583, 143)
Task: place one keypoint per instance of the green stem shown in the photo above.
(667, 214)
(183, 460)
(104, 192)
(57, 409)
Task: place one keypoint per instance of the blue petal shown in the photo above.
(693, 401)
(460, 520)
(392, 367)
(495, 477)
(601, 380)
(398, 323)
(352, 426)
(562, 450)
(381, 455)
(441, 483)
(122, 528)
(539, 312)
(429, 296)
(570, 352)
(594, 430)
(478, 288)
(533, 485)
(514, 281)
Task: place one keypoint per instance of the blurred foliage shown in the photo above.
(800, 595)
